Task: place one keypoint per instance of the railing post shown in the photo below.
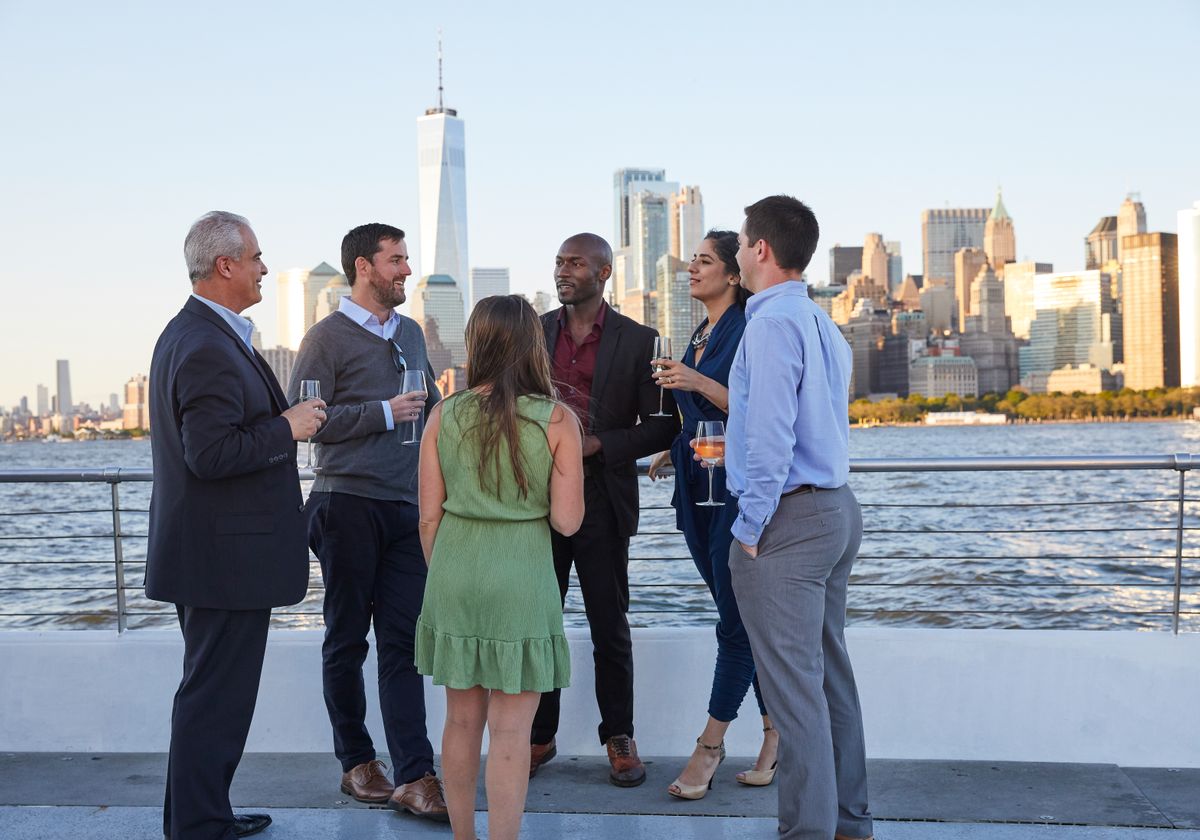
(1182, 463)
(118, 552)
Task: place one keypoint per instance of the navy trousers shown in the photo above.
(374, 573)
(222, 663)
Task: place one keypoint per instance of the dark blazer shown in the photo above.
(623, 391)
(226, 513)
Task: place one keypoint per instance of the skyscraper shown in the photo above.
(687, 222)
(1150, 318)
(300, 291)
(134, 410)
(486, 282)
(1189, 297)
(1131, 220)
(944, 232)
(66, 406)
(843, 259)
(43, 400)
(1018, 294)
(442, 192)
(437, 305)
(329, 298)
(986, 337)
(875, 260)
(678, 314)
(649, 232)
(1073, 324)
(626, 182)
(1101, 244)
(895, 272)
(999, 238)
(967, 262)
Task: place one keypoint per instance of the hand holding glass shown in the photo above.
(710, 446)
(310, 389)
(662, 350)
(414, 382)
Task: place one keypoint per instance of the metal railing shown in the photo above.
(885, 547)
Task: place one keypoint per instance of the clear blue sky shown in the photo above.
(124, 121)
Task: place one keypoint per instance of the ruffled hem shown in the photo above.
(463, 662)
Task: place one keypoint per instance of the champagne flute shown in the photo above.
(310, 389)
(414, 381)
(710, 446)
(662, 350)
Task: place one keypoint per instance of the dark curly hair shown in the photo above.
(725, 243)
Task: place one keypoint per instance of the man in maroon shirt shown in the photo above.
(601, 367)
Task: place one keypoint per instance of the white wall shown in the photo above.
(1016, 695)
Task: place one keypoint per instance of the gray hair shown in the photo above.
(217, 233)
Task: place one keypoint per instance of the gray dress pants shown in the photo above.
(792, 597)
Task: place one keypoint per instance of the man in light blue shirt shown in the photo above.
(798, 526)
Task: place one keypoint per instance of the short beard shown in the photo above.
(388, 298)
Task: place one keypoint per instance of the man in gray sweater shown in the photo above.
(362, 520)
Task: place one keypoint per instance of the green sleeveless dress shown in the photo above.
(492, 614)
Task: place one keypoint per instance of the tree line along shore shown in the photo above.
(1018, 406)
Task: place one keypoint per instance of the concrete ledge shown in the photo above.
(1110, 697)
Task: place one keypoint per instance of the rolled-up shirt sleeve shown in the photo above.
(774, 360)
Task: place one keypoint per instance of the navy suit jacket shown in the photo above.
(623, 398)
(227, 528)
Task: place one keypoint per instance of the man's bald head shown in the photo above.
(595, 247)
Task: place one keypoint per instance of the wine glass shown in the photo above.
(310, 389)
(414, 381)
(710, 446)
(662, 350)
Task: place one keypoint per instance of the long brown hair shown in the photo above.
(507, 359)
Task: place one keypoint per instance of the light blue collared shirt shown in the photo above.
(789, 400)
(370, 322)
(242, 327)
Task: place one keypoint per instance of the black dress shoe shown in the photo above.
(244, 824)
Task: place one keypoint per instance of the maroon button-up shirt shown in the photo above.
(575, 364)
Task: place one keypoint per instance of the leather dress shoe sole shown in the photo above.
(244, 825)
(545, 757)
(404, 809)
(627, 783)
(370, 800)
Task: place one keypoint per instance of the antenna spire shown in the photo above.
(440, 105)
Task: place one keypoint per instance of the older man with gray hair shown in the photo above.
(227, 537)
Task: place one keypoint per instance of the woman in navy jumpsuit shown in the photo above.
(699, 382)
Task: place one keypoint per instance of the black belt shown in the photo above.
(803, 488)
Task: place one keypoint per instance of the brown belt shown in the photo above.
(803, 488)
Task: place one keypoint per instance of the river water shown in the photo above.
(1084, 550)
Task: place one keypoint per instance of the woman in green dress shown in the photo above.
(501, 463)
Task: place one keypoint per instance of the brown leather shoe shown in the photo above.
(539, 754)
(848, 837)
(368, 782)
(422, 798)
(627, 768)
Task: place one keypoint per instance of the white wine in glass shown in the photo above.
(414, 381)
(662, 350)
(310, 389)
(710, 446)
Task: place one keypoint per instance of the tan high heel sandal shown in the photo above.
(681, 791)
(759, 778)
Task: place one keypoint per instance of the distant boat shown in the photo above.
(964, 418)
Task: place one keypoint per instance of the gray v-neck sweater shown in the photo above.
(355, 451)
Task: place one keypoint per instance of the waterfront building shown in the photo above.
(627, 182)
(999, 238)
(895, 269)
(1150, 312)
(437, 306)
(1131, 220)
(842, 261)
(329, 298)
(987, 338)
(865, 331)
(936, 376)
(1189, 297)
(677, 312)
(280, 360)
(875, 260)
(639, 305)
(967, 263)
(442, 193)
(937, 302)
(909, 293)
(488, 282)
(1018, 294)
(1073, 325)
(622, 274)
(649, 232)
(859, 287)
(1100, 246)
(43, 400)
(945, 232)
(66, 406)
(543, 302)
(1072, 379)
(134, 412)
(687, 223)
(823, 296)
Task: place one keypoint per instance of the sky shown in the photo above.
(122, 122)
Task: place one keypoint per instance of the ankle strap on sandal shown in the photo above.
(719, 746)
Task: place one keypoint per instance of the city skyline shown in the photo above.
(138, 176)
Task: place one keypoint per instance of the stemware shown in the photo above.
(662, 350)
(710, 446)
(310, 389)
(414, 381)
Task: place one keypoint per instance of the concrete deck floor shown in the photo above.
(110, 795)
